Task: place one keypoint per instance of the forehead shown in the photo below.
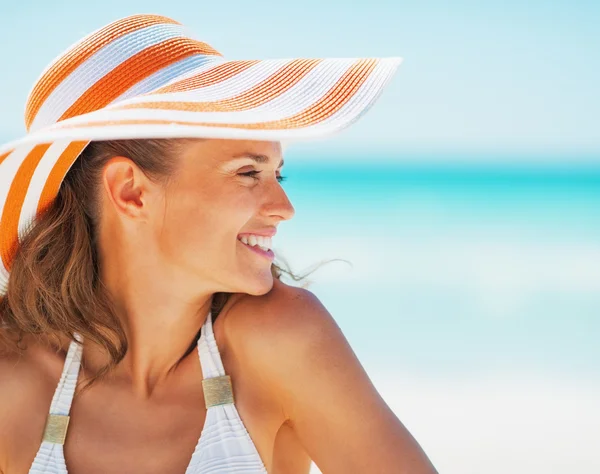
(214, 152)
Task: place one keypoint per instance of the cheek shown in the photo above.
(187, 243)
(187, 228)
(201, 227)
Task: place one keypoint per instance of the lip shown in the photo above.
(269, 254)
(266, 232)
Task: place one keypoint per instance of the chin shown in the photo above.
(260, 285)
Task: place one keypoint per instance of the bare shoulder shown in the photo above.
(304, 361)
(36, 361)
(25, 385)
(287, 315)
(15, 381)
(17, 371)
(287, 333)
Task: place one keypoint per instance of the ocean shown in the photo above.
(471, 295)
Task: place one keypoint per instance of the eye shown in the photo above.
(253, 173)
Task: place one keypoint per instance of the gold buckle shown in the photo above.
(56, 428)
(217, 391)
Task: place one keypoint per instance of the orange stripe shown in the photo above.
(3, 157)
(80, 53)
(267, 90)
(207, 78)
(345, 88)
(58, 173)
(134, 70)
(9, 224)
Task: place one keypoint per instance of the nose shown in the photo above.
(277, 202)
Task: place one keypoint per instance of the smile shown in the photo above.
(265, 253)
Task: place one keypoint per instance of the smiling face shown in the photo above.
(209, 203)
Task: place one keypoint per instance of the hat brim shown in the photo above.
(270, 99)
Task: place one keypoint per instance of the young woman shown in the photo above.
(144, 328)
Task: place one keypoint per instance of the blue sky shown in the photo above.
(478, 78)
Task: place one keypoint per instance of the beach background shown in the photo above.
(466, 202)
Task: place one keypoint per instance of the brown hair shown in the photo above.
(54, 289)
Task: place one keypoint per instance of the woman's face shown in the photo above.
(209, 203)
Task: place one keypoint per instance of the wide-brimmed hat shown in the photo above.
(144, 76)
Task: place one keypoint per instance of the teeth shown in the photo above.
(257, 240)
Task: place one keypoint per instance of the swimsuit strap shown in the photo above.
(58, 418)
(210, 359)
(216, 383)
(63, 395)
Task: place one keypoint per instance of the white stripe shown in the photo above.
(97, 66)
(8, 171)
(38, 180)
(310, 89)
(198, 62)
(223, 89)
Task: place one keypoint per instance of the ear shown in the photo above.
(126, 187)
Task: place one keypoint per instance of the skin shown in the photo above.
(299, 388)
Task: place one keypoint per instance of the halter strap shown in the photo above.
(57, 422)
(216, 384)
(63, 395)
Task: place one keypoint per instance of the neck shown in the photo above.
(160, 331)
(161, 308)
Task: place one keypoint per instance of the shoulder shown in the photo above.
(17, 371)
(39, 359)
(303, 360)
(289, 337)
(15, 384)
(26, 383)
(21, 374)
(285, 316)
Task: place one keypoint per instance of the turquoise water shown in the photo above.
(457, 268)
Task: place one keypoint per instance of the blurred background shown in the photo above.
(465, 201)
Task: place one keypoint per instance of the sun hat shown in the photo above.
(145, 76)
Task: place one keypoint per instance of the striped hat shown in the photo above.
(144, 76)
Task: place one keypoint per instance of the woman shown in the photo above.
(144, 325)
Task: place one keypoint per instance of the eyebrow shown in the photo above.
(262, 159)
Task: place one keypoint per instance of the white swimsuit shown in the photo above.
(224, 445)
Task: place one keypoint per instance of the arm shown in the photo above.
(328, 398)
